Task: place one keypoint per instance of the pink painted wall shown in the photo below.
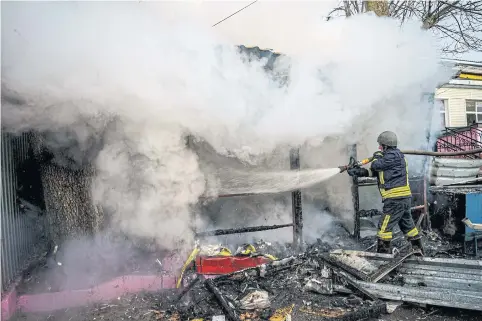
(44, 302)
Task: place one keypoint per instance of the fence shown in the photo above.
(459, 139)
(21, 231)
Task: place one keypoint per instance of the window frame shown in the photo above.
(443, 111)
(476, 113)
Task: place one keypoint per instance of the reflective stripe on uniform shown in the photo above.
(385, 235)
(402, 191)
(381, 233)
(386, 219)
(413, 232)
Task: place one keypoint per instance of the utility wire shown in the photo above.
(233, 14)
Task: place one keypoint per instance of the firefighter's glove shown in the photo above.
(358, 172)
(377, 155)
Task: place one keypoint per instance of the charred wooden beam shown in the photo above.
(365, 312)
(355, 196)
(296, 203)
(241, 230)
(230, 312)
(236, 195)
(188, 288)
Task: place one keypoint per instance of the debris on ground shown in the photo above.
(323, 283)
(392, 306)
(255, 300)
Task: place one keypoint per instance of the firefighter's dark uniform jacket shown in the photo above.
(391, 169)
(392, 173)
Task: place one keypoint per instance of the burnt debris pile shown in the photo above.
(318, 284)
(307, 284)
(334, 285)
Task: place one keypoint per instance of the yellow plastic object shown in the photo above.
(224, 252)
(470, 76)
(248, 249)
(271, 257)
(191, 258)
(366, 161)
(282, 314)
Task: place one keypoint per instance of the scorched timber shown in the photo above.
(241, 230)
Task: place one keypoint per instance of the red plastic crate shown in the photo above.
(210, 265)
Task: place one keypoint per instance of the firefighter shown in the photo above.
(391, 169)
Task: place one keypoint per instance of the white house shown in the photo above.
(460, 99)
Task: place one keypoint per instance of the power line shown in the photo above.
(233, 14)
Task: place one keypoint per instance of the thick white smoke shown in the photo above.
(121, 71)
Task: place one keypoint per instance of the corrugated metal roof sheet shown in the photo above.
(436, 281)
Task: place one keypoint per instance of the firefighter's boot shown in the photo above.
(417, 245)
(384, 246)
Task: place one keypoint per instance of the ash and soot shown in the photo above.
(119, 87)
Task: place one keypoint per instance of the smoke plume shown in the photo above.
(122, 84)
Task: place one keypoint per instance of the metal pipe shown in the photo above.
(420, 219)
(242, 230)
(428, 223)
(419, 207)
(429, 153)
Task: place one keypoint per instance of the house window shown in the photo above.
(474, 111)
(443, 111)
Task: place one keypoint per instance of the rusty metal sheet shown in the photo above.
(471, 300)
(447, 273)
(434, 268)
(445, 283)
(458, 263)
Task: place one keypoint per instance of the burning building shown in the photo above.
(98, 177)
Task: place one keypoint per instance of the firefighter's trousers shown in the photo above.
(397, 211)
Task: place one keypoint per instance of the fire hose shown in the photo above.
(354, 163)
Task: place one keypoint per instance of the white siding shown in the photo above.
(456, 97)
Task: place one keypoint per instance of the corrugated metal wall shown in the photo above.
(20, 231)
(445, 171)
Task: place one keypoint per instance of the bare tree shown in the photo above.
(458, 23)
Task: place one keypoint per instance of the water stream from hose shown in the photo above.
(238, 182)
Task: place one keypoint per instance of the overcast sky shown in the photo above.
(268, 24)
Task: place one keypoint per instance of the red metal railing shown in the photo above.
(458, 139)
